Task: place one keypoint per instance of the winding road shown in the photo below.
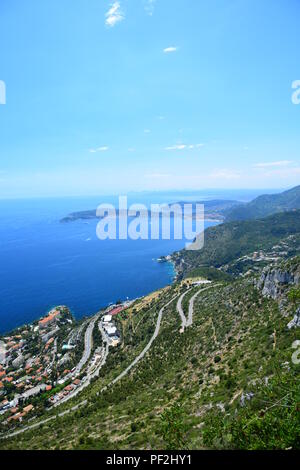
(147, 347)
(181, 312)
(90, 376)
(88, 342)
(119, 377)
(88, 338)
(186, 322)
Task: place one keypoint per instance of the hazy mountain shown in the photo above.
(266, 205)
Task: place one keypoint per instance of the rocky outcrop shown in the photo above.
(295, 322)
(274, 281)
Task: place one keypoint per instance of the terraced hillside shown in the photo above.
(229, 373)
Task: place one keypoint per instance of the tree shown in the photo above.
(173, 428)
(294, 296)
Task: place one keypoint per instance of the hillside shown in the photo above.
(235, 246)
(198, 366)
(227, 381)
(265, 205)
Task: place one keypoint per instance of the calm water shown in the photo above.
(44, 263)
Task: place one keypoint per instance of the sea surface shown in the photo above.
(44, 263)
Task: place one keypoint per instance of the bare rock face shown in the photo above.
(274, 281)
(295, 322)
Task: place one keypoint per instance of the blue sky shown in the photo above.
(108, 97)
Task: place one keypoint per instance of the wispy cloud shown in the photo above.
(283, 172)
(114, 15)
(184, 146)
(158, 175)
(176, 147)
(169, 49)
(225, 174)
(99, 149)
(149, 7)
(271, 164)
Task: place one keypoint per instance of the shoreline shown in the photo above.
(173, 275)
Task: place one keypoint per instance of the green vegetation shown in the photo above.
(210, 273)
(266, 205)
(294, 296)
(187, 390)
(226, 243)
(173, 428)
(269, 421)
(226, 382)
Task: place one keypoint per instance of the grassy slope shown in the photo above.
(229, 349)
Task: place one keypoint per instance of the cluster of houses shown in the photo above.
(17, 414)
(26, 364)
(22, 384)
(66, 390)
(28, 357)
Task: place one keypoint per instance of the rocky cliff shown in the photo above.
(276, 281)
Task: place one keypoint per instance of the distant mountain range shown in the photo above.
(226, 210)
(265, 205)
(214, 209)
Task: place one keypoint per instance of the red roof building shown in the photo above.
(116, 310)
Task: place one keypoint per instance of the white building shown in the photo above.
(110, 330)
(107, 318)
(2, 352)
(198, 283)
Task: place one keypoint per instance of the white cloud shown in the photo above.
(99, 149)
(149, 7)
(270, 164)
(114, 15)
(283, 172)
(196, 146)
(158, 175)
(169, 49)
(176, 147)
(184, 146)
(225, 174)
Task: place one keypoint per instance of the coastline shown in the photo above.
(173, 275)
(85, 307)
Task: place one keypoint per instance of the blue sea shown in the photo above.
(44, 262)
